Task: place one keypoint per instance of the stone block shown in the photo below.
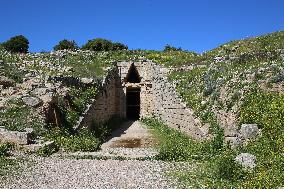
(247, 160)
(249, 131)
(15, 136)
(32, 101)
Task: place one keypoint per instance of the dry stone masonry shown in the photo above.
(140, 89)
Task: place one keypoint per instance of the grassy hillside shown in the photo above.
(241, 82)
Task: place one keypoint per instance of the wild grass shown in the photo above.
(217, 168)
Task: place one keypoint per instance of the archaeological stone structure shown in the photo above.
(140, 89)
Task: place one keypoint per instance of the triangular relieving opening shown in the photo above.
(133, 75)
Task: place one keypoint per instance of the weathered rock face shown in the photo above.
(247, 133)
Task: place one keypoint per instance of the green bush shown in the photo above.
(17, 44)
(100, 44)
(12, 71)
(66, 44)
(118, 46)
(5, 148)
(47, 150)
(228, 168)
(168, 48)
(84, 140)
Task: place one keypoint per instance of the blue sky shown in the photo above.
(198, 25)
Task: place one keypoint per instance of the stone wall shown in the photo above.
(170, 108)
(158, 97)
(107, 103)
(145, 72)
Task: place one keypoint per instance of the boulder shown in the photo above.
(22, 138)
(87, 80)
(6, 82)
(249, 131)
(31, 101)
(248, 161)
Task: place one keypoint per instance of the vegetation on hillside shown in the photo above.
(17, 44)
(100, 44)
(66, 45)
(242, 81)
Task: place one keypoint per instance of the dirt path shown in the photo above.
(133, 140)
(130, 135)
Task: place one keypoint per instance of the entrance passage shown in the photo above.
(133, 103)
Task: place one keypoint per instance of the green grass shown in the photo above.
(85, 140)
(18, 116)
(6, 165)
(257, 61)
(217, 168)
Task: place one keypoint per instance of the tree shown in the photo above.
(66, 44)
(100, 44)
(119, 46)
(17, 44)
(171, 48)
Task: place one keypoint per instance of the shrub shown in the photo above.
(100, 44)
(66, 44)
(17, 44)
(119, 46)
(47, 150)
(11, 71)
(168, 48)
(228, 168)
(85, 140)
(4, 148)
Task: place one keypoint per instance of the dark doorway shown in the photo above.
(133, 75)
(133, 103)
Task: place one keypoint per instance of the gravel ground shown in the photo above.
(132, 140)
(57, 173)
(129, 153)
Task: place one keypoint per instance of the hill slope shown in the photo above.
(241, 82)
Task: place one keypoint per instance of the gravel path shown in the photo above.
(132, 140)
(56, 173)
